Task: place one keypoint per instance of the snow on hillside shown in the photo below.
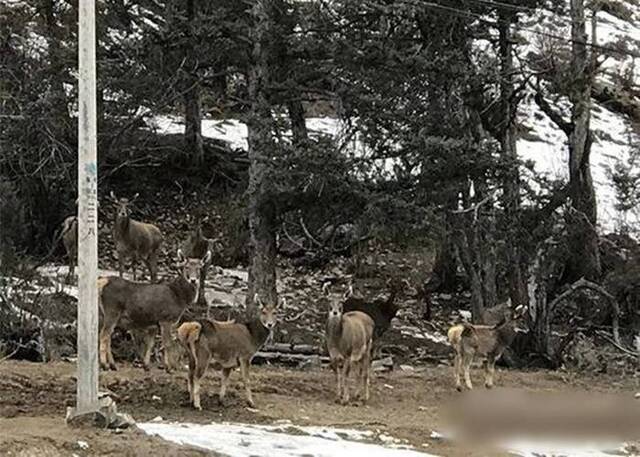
(613, 138)
(544, 144)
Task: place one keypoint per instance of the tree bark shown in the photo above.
(192, 99)
(507, 137)
(58, 99)
(583, 239)
(262, 211)
(298, 124)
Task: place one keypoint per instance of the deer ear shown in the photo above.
(207, 258)
(349, 292)
(257, 301)
(325, 288)
(113, 196)
(135, 196)
(180, 255)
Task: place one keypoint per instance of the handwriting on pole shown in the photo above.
(91, 191)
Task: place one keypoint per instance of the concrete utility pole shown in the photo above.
(87, 384)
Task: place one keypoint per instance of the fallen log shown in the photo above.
(291, 348)
(289, 359)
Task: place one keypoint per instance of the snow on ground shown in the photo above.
(241, 440)
(543, 449)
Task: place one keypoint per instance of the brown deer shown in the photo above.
(229, 344)
(134, 239)
(486, 341)
(139, 306)
(196, 246)
(349, 339)
(69, 234)
(382, 311)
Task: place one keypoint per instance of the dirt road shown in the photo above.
(405, 405)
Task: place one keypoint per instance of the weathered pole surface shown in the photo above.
(87, 380)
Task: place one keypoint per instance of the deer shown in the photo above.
(382, 311)
(349, 340)
(197, 245)
(69, 235)
(134, 239)
(140, 306)
(229, 344)
(486, 341)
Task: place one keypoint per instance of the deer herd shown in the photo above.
(353, 326)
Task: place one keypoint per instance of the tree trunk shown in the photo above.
(508, 146)
(58, 98)
(298, 124)
(538, 306)
(583, 239)
(192, 103)
(262, 211)
(445, 268)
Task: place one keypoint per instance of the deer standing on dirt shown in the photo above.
(229, 344)
(486, 341)
(142, 306)
(349, 339)
(135, 240)
(196, 246)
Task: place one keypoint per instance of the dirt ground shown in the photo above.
(406, 405)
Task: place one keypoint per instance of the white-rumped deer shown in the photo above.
(229, 344)
(486, 341)
(135, 240)
(140, 306)
(349, 339)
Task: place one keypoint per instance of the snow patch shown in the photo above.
(240, 440)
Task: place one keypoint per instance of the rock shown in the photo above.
(406, 368)
(637, 396)
(107, 416)
(385, 364)
(155, 398)
(157, 419)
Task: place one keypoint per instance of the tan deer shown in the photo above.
(134, 239)
(486, 341)
(229, 344)
(349, 339)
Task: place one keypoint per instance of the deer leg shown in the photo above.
(134, 264)
(466, 362)
(120, 263)
(152, 265)
(203, 278)
(225, 373)
(336, 365)
(165, 333)
(108, 325)
(244, 370)
(490, 371)
(72, 262)
(366, 372)
(110, 359)
(192, 369)
(457, 368)
(202, 357)
(148, 340)
(345, 381)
